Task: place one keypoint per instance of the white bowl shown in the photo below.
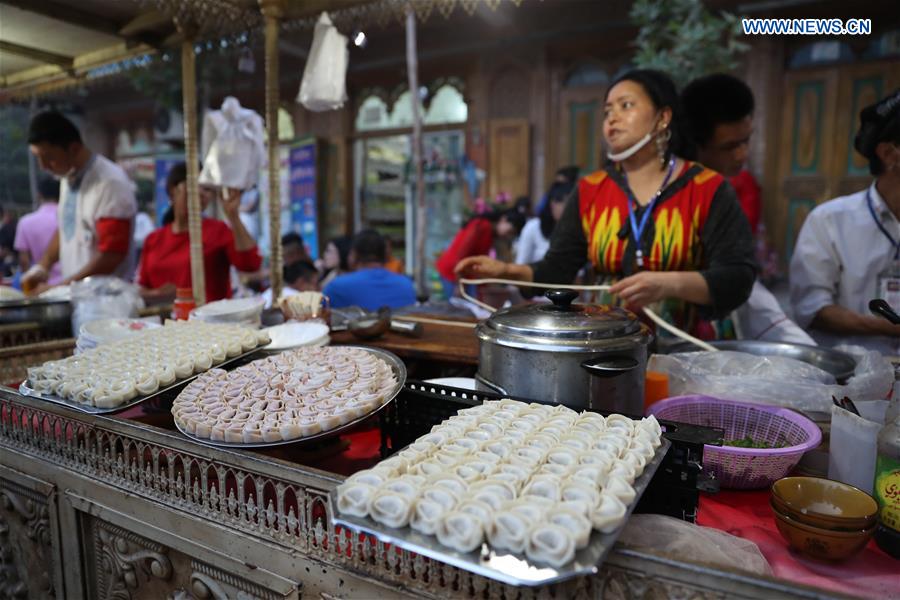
(230, 311)
(294, 335)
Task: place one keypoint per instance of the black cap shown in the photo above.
(873, 123)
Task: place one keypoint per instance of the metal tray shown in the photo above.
(26, 390)
(509, 568)
(399, 371)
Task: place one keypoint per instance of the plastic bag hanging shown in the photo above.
(325, 75)
(233, 146)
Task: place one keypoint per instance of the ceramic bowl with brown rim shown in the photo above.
(824, 503)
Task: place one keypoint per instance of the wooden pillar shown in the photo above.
(412, 67)
(189, 99)
(273, 11)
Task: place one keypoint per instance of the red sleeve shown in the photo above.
(748, 193)
(113, 235)
(243, 260)
(477, 239)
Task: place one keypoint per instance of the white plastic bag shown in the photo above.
(234, 148)
(773, 380)
(852, 448)
(324, 77)
(670, 536)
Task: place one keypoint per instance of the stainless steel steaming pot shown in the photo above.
(587, 355)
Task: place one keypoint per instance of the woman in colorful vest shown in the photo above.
(660, 228)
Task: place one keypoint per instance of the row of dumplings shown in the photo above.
(526, 478)
(114, 373)
(284, 397)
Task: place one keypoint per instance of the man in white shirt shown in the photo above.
(848, 249)
(96, 205)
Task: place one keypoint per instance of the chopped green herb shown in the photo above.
(749, 442)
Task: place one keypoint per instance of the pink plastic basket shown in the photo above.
(745, 468)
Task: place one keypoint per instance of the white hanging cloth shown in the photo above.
(324, 84)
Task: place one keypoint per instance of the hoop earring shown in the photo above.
(662, 144)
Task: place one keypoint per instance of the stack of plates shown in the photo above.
(241, 311)
(294, 335)
(102, 331)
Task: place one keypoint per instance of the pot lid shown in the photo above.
(564, 322)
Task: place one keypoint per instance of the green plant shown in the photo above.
(684, 39)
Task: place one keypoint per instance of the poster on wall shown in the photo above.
(164, 164)
(304, 217)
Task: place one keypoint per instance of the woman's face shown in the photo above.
(178, 197)
(504, 228)
(630, 115)
(556, 209)
(332, 257)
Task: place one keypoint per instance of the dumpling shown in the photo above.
(390, 508)
(427, 516)
(562, 456)
(403, 486)
(550, 544)
(509, 531)
(543, 486)
(532, 509)
(441, 495)
(621, 422)
(575, 522)
(353, 498)
(623, 470)
(460, 531)
(453, 483)
(609, 514)
(574, 491)
(652, 425)
(619, 488)
(492, 492)
(478, 509)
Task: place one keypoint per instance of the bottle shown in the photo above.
(184, 304)
(887, 482)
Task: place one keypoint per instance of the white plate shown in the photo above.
(465, 383)
(295, 335)
(102, 331)
(59, 292)
(237, 308)
(10, 293)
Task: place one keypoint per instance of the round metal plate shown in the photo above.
(399, 372)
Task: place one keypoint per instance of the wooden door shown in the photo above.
(509, 152)
(580, 128)
(806, 151)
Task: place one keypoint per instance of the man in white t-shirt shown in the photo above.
(96, 205)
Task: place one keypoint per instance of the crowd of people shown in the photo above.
(670, 220)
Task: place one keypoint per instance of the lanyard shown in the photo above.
(638, 230)
(881, 226)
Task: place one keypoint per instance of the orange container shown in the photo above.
(656, 388)
(184, 304)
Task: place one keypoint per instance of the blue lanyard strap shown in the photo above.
(881, 226)
(637, 231)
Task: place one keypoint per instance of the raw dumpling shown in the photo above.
(390, 508)
(576, 523)
(460, 531)
(427, 516)
(478, 509)
(353, 498)
(543, 486)
(609, 514)
(509, 531)
(619, 488)
(550, 544)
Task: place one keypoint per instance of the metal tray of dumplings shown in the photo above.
(397, 367)
(26, 390)
(513, 569)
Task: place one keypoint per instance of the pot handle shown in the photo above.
(610, 366)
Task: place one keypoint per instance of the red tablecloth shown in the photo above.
(747, 514)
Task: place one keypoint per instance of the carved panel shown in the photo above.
(124, 561)
(210, 583)
(26, 544)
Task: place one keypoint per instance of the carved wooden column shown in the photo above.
(273, 11)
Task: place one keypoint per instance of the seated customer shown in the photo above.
(299, 276)
(370, 285)
(165, 261)
(848, 249)
(293, 249)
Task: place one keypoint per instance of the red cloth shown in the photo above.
(475, 239)
(113, 235)
(869, 574)
(166, 258)
(748, 193)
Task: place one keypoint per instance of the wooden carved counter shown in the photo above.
(105, 507)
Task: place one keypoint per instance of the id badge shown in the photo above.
(889, 285)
